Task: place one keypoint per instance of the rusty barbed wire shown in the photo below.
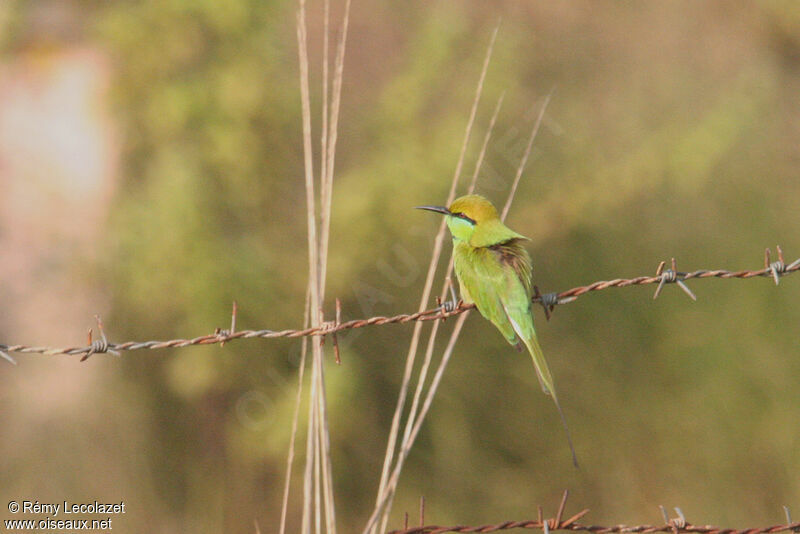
(548, 301)
(596, 529)
(677, 525)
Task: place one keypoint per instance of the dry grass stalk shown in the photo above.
(381, 510)
(318, 479)
(527, 153)
(305, 101)
(330, 132)
(412, 435)
(412, 425)
(423, 374)
(412, 430)
(298, 399)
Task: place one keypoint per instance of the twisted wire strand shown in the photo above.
(548, 301)
(677, 525)
(673, 527)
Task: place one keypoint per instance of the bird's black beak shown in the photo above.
(437, 209)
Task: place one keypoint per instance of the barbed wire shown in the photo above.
(677, 525)
(548, 301)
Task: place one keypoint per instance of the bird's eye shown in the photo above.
(465, 217)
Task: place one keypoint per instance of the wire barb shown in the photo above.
(333, 336)
(789, 519)
(548, 301)
(777, 268)
(225, 335)
(560, 513)
(542, 522)
(671, 276)
(679, 522)
(331, 327)
(5, 356)
(98, 345)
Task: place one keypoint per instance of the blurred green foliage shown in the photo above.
(673, 131)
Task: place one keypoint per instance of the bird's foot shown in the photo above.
(449, 306)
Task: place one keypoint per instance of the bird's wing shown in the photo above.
(481, 278)
(515, 296)
(523, 326)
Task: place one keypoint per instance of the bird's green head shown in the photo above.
(465, 215)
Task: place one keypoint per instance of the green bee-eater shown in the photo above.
(494, 272)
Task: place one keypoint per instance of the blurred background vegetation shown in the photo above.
(674, 130)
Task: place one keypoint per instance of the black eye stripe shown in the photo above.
(462, 216)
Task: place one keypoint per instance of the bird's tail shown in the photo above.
(542, 370)
(546, 381)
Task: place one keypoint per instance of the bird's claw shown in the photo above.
(449, 306)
